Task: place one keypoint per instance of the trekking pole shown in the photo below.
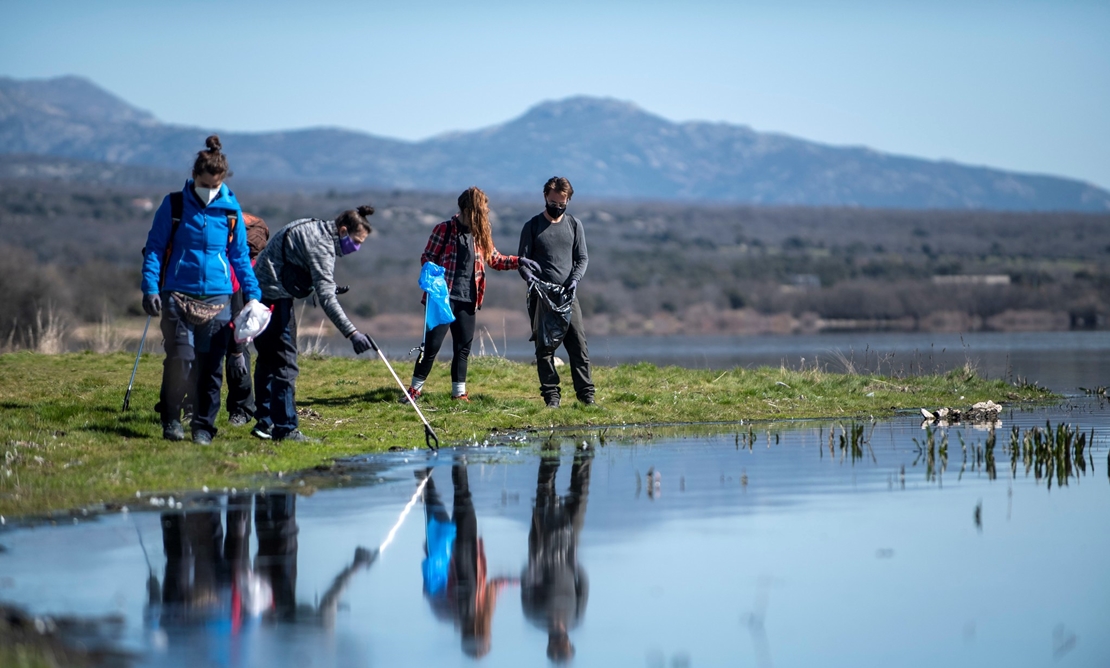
(131, 383)
(429, 433)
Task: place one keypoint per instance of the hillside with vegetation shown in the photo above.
(73, 249)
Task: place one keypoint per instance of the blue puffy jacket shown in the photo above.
(202, 257)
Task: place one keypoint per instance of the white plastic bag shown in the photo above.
(251, 321)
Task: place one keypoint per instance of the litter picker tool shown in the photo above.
(429, 433)
(424, 339)
(138, 356)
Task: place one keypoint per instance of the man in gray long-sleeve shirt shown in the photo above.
(556, 240)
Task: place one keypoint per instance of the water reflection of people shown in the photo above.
(209, 579)
(456, 582)
(554, 587)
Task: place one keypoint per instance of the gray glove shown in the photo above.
(572, 290)
(530, 264)
(238, 367)
(152, 304)
(360, 342)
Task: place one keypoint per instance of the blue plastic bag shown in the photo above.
(440, 543)
(438, 309)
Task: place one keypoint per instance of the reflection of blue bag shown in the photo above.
(441, 540)
(438, 309)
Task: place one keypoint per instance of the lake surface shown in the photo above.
(773, 544)
(781, 553)
(1062, 361)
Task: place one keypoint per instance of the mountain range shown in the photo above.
(608, 148)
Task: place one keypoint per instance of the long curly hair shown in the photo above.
(474, 212)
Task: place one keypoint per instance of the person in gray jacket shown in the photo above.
(297, 261)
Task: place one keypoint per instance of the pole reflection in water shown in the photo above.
(554, 587)
(456, 583)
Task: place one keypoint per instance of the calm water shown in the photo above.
(1062, 361)
(757, 548)
(783, 553)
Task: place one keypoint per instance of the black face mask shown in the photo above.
(556, 210)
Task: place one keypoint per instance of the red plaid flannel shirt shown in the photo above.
(441, 250)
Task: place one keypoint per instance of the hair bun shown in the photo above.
(366, 210)
(213, 143)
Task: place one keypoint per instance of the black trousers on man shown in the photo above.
(575, 343)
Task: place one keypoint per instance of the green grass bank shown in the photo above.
(66, 443)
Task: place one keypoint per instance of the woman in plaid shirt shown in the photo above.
(464, 247)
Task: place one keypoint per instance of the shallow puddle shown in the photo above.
(724, 545)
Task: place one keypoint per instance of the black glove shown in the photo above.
(342, 289)
(238, 367)
(152, 304)
(360, 342)
(525, 274)
(572, 290)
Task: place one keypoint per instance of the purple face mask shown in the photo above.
(348, 245)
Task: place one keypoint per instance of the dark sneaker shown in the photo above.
(173, 431)
(261, 432)
(202, 437)
(552, 402)
(462, 397)
(414, 393)
(238, 419)
(587, 401)
(296, 436)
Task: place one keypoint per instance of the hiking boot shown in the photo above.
(261, 432)
(462, 397)
(552, 402)
(202, 437)
(412, 392)
(296, 436)
(173, 431)
(238, 419)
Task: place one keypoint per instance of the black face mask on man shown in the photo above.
(555, 210)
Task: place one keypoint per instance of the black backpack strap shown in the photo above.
(177, 209)
(232, 221)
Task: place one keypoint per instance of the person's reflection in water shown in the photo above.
(208, 588)
(275, 520)
(455, 578)
(195, 567)
(554, 587)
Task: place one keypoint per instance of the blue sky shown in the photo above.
(1021, 85)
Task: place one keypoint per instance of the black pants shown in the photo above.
(575, 343)
(240, 396)
(194, 364)
(275, 374)
(462, 335)
(209, 371)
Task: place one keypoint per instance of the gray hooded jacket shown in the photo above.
(313, 246)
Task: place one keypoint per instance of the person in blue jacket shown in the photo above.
(187, 281)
